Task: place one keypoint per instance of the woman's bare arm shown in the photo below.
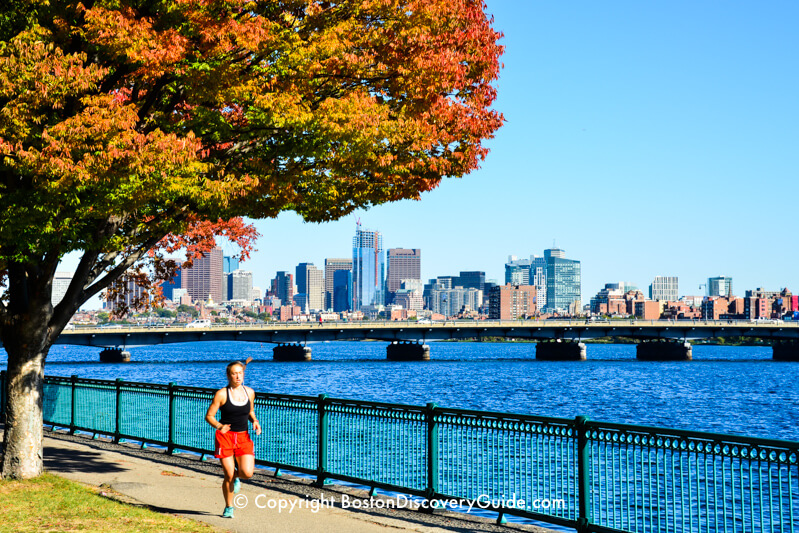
(210, 415)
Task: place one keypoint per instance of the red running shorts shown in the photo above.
(236, 443)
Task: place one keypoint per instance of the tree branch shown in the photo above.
(120, 269)
(69, 303)
(50, 262)
(17, 289)
(84, 275)
(149, 101)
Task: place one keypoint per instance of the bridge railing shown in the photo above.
(589, 475)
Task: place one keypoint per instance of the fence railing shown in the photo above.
(588, 475)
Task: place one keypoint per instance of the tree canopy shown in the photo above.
(130, 129)
(125, 121)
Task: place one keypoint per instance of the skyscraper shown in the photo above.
(226, 281)
(229, 264)
(331, 267)
(240, 285)
(472, 279)
(563, 281)
(719, 286)
(342, 290)
(169, 287)
(310, 282)
(61, 282)
(403, 263)
(517, 271)
(283, 287)
(538, 277)
(664, 288)
(203, 279)
(368, 268)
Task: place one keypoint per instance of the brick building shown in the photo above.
(723, 308)
(680, 311)
(509, 302)
(648, 309)
(288, 312)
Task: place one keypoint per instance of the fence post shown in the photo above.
(72, 404)
(171, 438)
(583, 476)
(118, 383)
(3, 394)
(321, 445)
(432, 454)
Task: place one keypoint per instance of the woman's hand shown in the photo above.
(256, 426)
(224, 429)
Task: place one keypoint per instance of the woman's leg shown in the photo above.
(246, 466)
(229, 467)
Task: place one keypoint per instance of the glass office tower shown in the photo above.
(563, 279)
(342, 290)
(719, 286)
(368, 268)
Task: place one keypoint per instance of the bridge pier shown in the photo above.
(407, 351)
(114, 355)
(560, 351)
(291, 352)
(664, 350)
(785, 350)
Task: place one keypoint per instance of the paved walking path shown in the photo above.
(183, 485)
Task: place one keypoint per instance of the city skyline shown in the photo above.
(264, 278)
(613, 110)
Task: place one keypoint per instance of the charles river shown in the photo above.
(725, 389)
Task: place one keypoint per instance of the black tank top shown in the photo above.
(235, 415)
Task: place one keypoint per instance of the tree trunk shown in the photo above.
(28, 327)
(22, 457)
(26, 338)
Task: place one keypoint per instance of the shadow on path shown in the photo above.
(78, 461)
(185, 512)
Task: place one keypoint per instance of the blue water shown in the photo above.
(737, 390)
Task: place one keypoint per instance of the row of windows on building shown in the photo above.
(667, 288)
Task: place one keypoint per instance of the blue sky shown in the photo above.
(644, 138)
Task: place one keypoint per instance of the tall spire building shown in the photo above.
(368, 268)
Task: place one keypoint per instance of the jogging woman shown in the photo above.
(233, 444)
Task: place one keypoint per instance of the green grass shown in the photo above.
(51, 503)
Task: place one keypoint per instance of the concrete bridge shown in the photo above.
(557, 339)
